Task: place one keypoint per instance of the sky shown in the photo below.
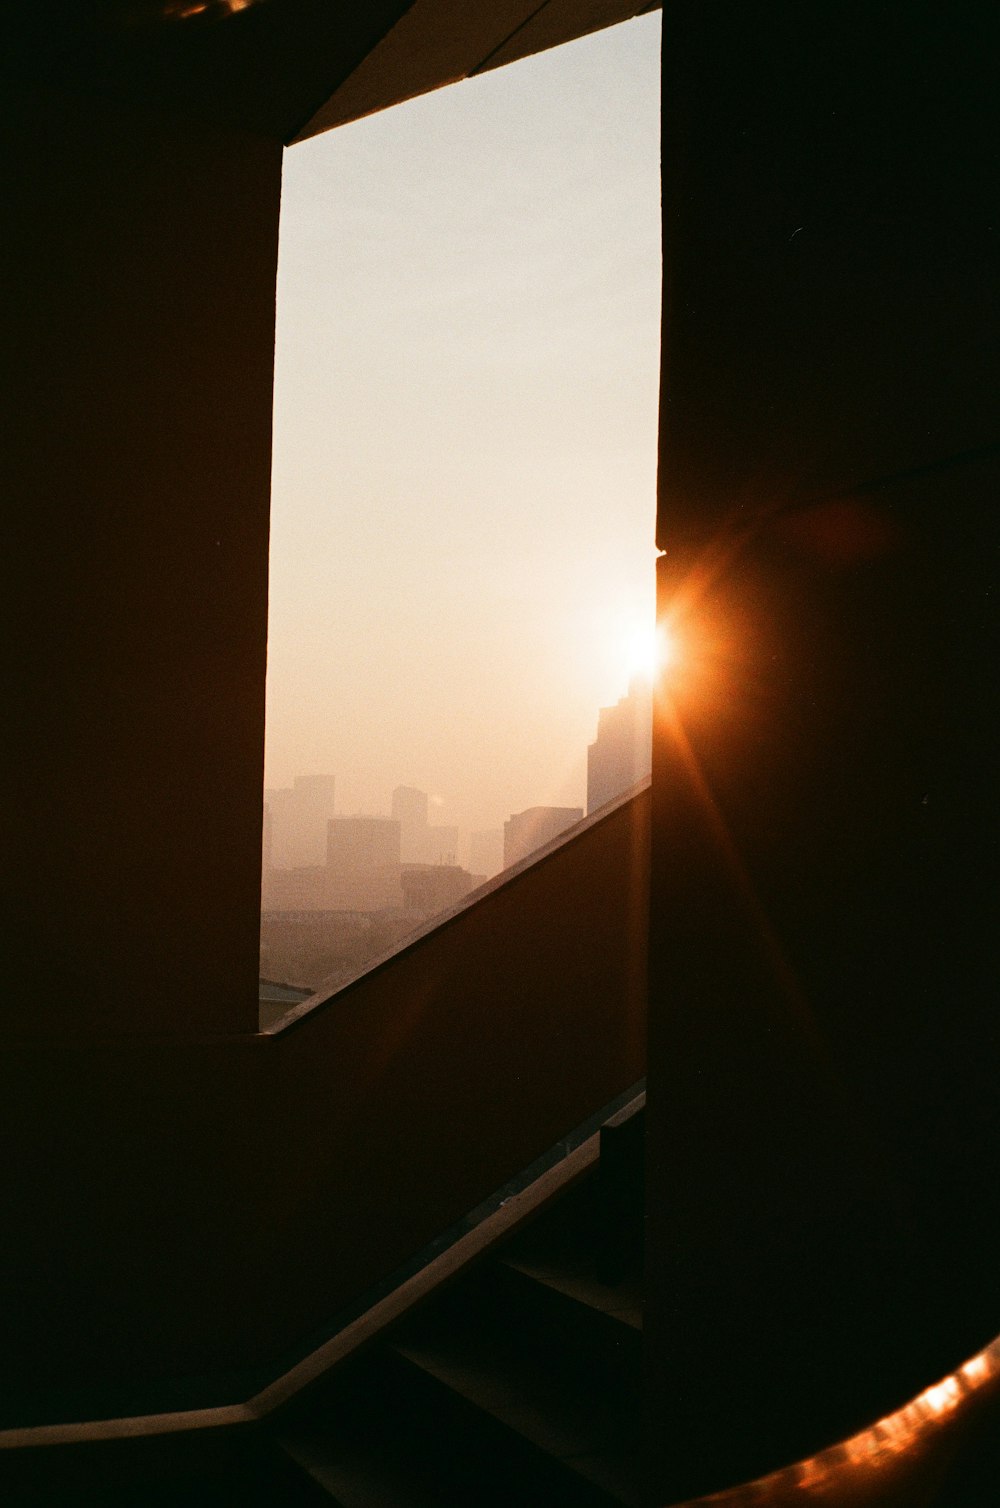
(465, 433)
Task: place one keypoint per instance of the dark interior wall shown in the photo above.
(824, 1044)
(229, 1197)
(132, 1192)
(140, 269)
(198, 1198)
(437, 1078)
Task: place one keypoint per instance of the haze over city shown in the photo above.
(465, 434)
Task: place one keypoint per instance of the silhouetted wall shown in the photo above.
(824, 1048)
(180, 1196)
(140, 260)
(195, 1207)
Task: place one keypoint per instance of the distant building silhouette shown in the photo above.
(440, 845)
(422, 843)
(621, 754)
(303, 888)
(298, 818)
(362, 843)
(307, 948)
(409, 807)
(525, 831)
(430, 888)
(363, 863)
(486, 852)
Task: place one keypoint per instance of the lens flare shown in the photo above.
(649, 651)
(668, 650)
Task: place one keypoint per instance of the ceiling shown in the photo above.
(283, 68)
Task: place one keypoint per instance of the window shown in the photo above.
(463, 497)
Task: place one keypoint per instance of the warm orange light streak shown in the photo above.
(669, 720)
(184, 10)
(841, 1472)
(668, 647)
(714, 560)
(900, 1440)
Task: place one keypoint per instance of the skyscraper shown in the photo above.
(363, 864)
(299, 814)
(621, 754)
(357, 843)
(422, 843)
(409, 807)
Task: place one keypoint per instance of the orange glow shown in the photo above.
(901, 1441)
(649, 651)
(862, 1468)
(977, 1370)
(184, 10)
(667, 647)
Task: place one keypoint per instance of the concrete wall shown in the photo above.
(191, 1209)
(140, 260)
(824, 1132)
(186, 1198)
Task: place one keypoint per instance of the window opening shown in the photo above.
(462, 551)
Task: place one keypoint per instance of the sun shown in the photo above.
(648, 651)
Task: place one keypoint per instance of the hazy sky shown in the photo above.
(465, 432)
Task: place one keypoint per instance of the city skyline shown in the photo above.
(465, 434)
(344, 888)
(621, 737)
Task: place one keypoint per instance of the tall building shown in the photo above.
(422, 843)
(298, 815)
(363, 864)
(524, 832)
(356, 843)
(409, 807)
(621, 754)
